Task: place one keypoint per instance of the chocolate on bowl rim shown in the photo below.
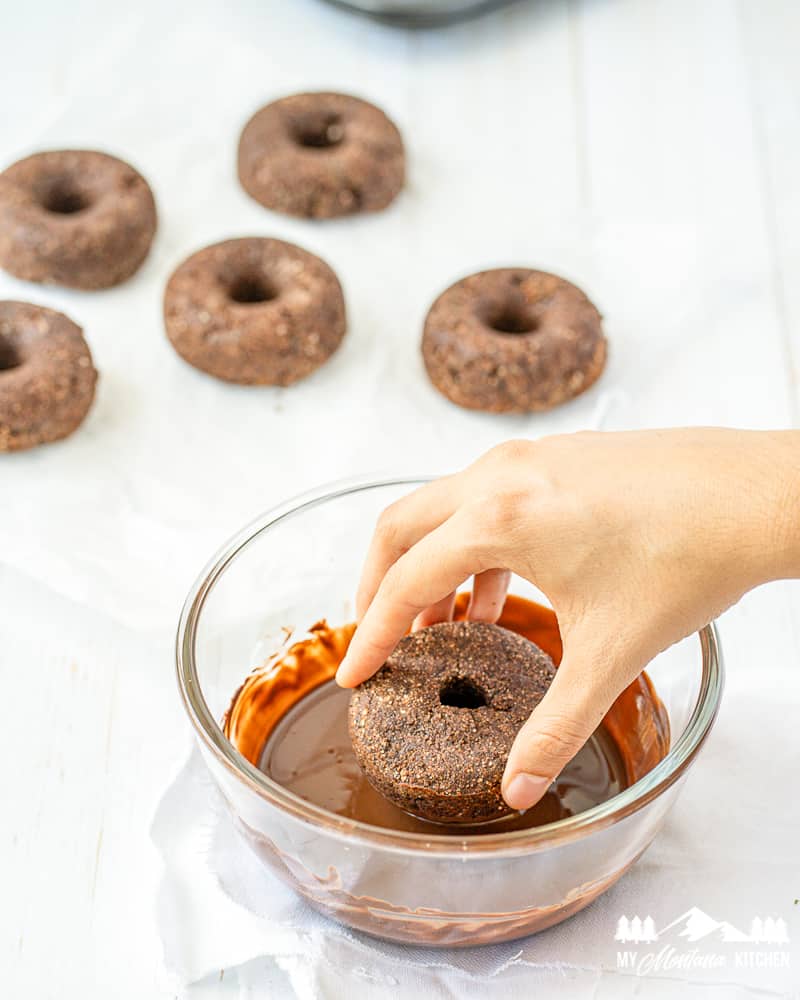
(670, 769)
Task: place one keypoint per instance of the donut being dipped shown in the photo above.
(513, 340)
(432, 729)
(47, 378)
(321, 155)
(77, 218)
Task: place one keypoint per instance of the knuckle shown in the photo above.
(390, 587)
(388, 524)
(374, 646)
(511, 452)
(394, 589)
(555, 742)
(504, 511)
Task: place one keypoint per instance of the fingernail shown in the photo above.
(524, 790)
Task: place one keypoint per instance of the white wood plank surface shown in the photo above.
(648, 149)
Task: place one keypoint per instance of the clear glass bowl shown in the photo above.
(300, 562)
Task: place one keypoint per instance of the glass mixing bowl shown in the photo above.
(299, 563)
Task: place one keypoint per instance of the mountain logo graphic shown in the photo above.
(696, 925)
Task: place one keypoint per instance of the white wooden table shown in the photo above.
(648, 149)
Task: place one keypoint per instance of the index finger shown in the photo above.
(399, 527)
(428, 572)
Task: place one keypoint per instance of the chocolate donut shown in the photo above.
(513, 340)
(320, 156)
(47, 378)
(432, 729)
(254, 311)
(75, 218)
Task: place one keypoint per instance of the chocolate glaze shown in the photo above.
(290, 719)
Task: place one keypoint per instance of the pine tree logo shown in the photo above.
(695, 925)
(636, 931)
(769, 931)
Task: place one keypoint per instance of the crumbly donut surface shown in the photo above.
(321, 155)
(433, 728)
(513, 340)
(77, 218)
(47, 378)
(255, 311)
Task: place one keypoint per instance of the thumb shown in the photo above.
(581, 693)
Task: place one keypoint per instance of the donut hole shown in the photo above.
(65, 199)
(511, 317)
(250, 289)
(318, 131)
(462, 692)
(9, 355)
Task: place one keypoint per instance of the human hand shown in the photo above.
(637, 539)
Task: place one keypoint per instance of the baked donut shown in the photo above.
(47, 378)
(513, 340)
(75, 218)
(254, 311)
(432, 729)
(320, 156)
